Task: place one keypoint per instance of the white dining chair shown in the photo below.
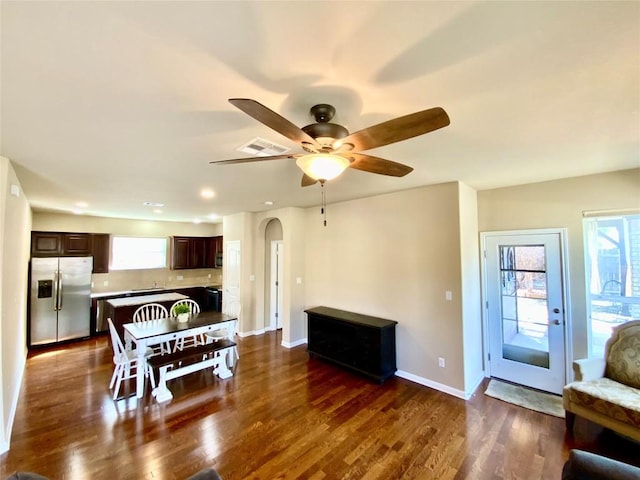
(125, 362)
(216, 335)
(153, 311)
(188, 341)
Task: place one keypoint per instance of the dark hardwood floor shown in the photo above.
(281, 416)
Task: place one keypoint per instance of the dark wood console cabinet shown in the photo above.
(359, 342)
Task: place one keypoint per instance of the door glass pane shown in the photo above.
(612, 266)
(525, 319)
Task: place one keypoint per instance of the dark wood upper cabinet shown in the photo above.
(54, 244)
(180, 252)
(100, 249)
(213, 254)
(194, 252)
(76, 244)
(64, 244)
(46, 244)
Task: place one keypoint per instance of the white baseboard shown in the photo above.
(437, 386)
(5, 442)
(294, 344)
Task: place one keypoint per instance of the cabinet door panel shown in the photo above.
(100, 251)
(180, 253)
(46, 244)
(77, 243)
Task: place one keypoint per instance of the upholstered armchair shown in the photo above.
(607, 391)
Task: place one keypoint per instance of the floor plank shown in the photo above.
(282, 415)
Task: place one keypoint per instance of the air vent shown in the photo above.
(262, 148)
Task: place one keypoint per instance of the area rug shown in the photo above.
(526, 397)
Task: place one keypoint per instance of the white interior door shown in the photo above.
(525, 308)
(276, 282)
(231, 295)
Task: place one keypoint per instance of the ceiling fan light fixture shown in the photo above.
(322, 166)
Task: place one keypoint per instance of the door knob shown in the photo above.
(556, 310)
(556, 322)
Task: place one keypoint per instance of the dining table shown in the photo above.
(157, 332)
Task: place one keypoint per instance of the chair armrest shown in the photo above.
(588, 466)
(589, 368)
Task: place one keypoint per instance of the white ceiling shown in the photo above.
(118, 103)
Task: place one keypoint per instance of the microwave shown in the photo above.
(218, 262)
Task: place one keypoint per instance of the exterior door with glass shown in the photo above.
(523, 276)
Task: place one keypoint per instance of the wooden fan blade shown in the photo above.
(272, 120)
(307, 180)
(395, 130)
(256, 159)
(369, 163)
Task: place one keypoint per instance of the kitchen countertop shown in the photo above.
(142, 299)
(148, 290)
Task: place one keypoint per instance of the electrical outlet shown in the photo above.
(441, 362)
(105, 283)
(179, 277)
(209, 276)
(448, 295)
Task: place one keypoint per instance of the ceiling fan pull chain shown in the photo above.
(323, 210)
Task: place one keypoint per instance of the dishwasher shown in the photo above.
(214, 299)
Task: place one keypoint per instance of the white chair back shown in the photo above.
(119, 353)
(193, 306)
(150, 311)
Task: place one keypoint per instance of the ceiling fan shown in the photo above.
(331, 148)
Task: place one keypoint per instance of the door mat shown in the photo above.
(526, 397)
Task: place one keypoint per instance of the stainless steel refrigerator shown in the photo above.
(60, 302)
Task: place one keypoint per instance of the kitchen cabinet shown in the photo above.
(46, 244)
(64, 244)
(100, 250)
(195, 252)
(187, 252)
(55, 244)
(213, 252)
(76, 244)
(358, 342)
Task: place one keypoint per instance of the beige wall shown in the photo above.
(394, 256)
(58, 222)
(470, 287)
(116, 281)
(15, 228)
(292, 221)
(559, 204)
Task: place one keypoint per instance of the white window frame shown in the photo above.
(605, 307)
(138, 253)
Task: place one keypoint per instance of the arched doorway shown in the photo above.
(274, 275)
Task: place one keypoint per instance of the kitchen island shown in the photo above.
(121, 310)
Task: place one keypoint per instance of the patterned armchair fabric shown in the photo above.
(608, 392)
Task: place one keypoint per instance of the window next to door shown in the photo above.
(612, 266)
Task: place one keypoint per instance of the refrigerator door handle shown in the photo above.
(55, 291)
(59, 300)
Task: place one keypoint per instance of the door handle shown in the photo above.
(556, 322)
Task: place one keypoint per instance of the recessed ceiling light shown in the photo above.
(153, 204)
(268, 202)
(196, 220)
(207, 193)
(157, 210)
(213, 216)
(82, 204)
(77, 212)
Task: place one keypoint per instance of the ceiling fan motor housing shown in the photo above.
(324, 132)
